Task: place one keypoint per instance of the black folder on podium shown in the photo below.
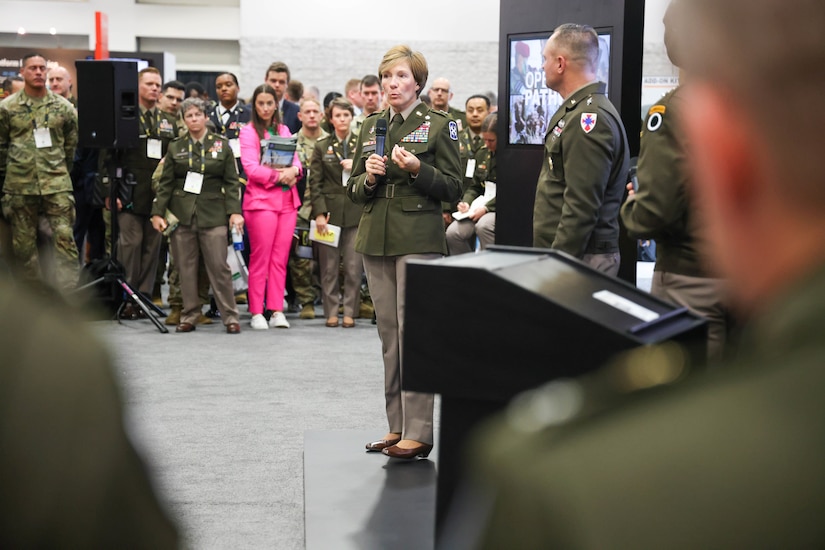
(481, 328)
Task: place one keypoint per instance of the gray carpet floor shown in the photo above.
(221, 418)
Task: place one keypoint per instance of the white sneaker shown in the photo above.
(258, 322)
(278, 320)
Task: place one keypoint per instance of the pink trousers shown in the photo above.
(270, 239)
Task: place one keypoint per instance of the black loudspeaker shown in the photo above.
(107, 106)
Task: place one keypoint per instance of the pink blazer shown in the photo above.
(262, 189)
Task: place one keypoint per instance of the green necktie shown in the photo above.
(476, 143)
(395, 126)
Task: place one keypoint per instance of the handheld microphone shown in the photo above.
(380, 136)
(380, 140)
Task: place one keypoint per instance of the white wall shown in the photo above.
(325, 42)
(325, 45)
(421, 20)
(127, 20)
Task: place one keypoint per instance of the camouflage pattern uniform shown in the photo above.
(37, 180)
(300, 269)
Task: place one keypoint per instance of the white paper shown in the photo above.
(332, 237)
(193, 183)
(478, 202)
(153, 149)
(345, 177)
(42, 138)
(623, 304)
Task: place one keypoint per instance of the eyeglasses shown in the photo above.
(441, 90)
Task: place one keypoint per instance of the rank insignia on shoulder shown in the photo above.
(588, 122)
(453, 130)
(657, 109)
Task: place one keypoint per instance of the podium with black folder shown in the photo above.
(481, 328)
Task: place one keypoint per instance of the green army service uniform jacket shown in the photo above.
(583, 177)
(32, 170)
(402, 215)
(136, 161)
(328, 190)
(485, 171)
(459, 116)
(220, 194)
(660, 208)
(467, 150)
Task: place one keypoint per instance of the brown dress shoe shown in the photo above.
(381, 444)
(185, 327)
(233, 328)
(349, 322)
(395, 451)
(129, 312)
(332, 322)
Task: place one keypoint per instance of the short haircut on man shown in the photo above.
(370, 80)
(278, 67)
(580, 43)
(29, 56)
(148, 70)
(174, 84)
(478, 96)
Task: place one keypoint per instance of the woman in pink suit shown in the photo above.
(270, 208)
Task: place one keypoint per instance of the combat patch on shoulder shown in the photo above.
(654, 122)
(453, 130)
(588, 122)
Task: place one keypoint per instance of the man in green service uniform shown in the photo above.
(138, 244)
(583, 178)
(470, 143)
(38, 136)
(660, 209)
(732, 457)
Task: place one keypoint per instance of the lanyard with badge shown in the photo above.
(42, 136)
(344, 173)
(194, 180)
(154, 149)
(234, 143)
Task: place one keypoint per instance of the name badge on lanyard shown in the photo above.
(193, 183)
(153, 149)
(471, 168)
(235, 145)
(345, 177)
(42, 138)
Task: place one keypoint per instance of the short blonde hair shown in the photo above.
(416, 61)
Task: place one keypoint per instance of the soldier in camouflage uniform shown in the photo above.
(38, 136)
(300, 269)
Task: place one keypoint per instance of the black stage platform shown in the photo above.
(364, 501)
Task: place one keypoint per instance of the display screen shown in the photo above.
(531, 103)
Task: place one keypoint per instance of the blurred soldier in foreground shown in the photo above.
(70, 476)
(732, 457)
